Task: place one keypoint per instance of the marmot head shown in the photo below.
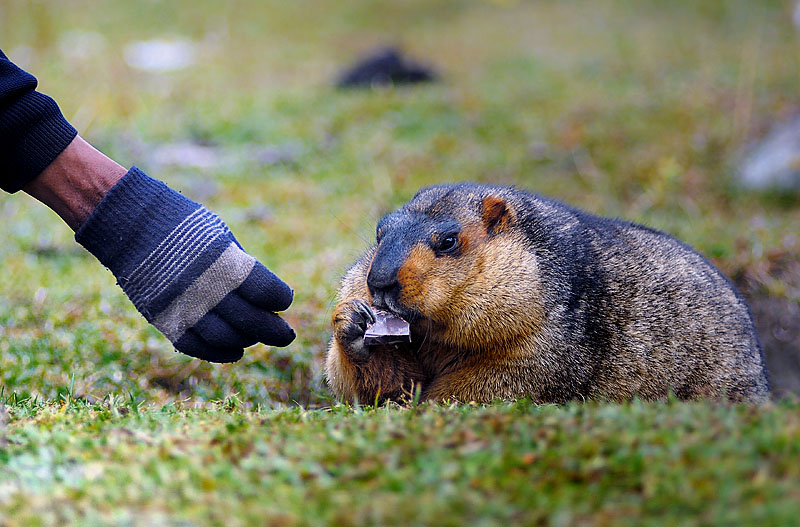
(454, 258)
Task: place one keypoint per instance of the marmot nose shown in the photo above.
(381, 283)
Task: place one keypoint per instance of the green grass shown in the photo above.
(522, 464)
(630, 109)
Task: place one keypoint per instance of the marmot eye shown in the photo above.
(448, 243)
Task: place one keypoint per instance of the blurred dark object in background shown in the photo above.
(772, 288)
(383, 67)
(778, 324)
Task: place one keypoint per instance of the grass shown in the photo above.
(629, 109)
(512, 463)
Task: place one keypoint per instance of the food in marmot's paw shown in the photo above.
(388, 328)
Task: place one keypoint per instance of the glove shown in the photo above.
(184, 271)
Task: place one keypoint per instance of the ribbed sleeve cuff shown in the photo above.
(45, 134)
(131, 220)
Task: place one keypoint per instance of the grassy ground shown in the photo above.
(508, 464)
(625, 109)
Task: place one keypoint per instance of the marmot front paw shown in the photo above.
(350, 321)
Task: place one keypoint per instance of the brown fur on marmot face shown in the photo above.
(510, 294)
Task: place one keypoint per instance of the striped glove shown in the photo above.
(185, 272)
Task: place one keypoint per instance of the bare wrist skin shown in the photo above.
(75, 182)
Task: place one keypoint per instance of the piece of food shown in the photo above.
(388, 328)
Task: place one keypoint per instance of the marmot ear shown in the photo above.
(497, 214)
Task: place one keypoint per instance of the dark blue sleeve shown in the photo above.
(32, 129)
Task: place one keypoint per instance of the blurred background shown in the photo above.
(679, 115)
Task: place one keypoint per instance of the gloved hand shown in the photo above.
(185, 272)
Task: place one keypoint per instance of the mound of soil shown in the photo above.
(384, 67)
(776, 316)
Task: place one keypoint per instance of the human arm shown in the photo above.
(178, 262)
(75, 182)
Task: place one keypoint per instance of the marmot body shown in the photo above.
(510, 294)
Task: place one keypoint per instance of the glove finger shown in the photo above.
(265, 290)
(276, 332)
(218, 333)
(192, 344)
(254, 322)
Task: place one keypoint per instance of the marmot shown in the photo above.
(510, 294)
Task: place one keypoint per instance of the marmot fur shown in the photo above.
(510, 294)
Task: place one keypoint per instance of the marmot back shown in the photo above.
(510, 294)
